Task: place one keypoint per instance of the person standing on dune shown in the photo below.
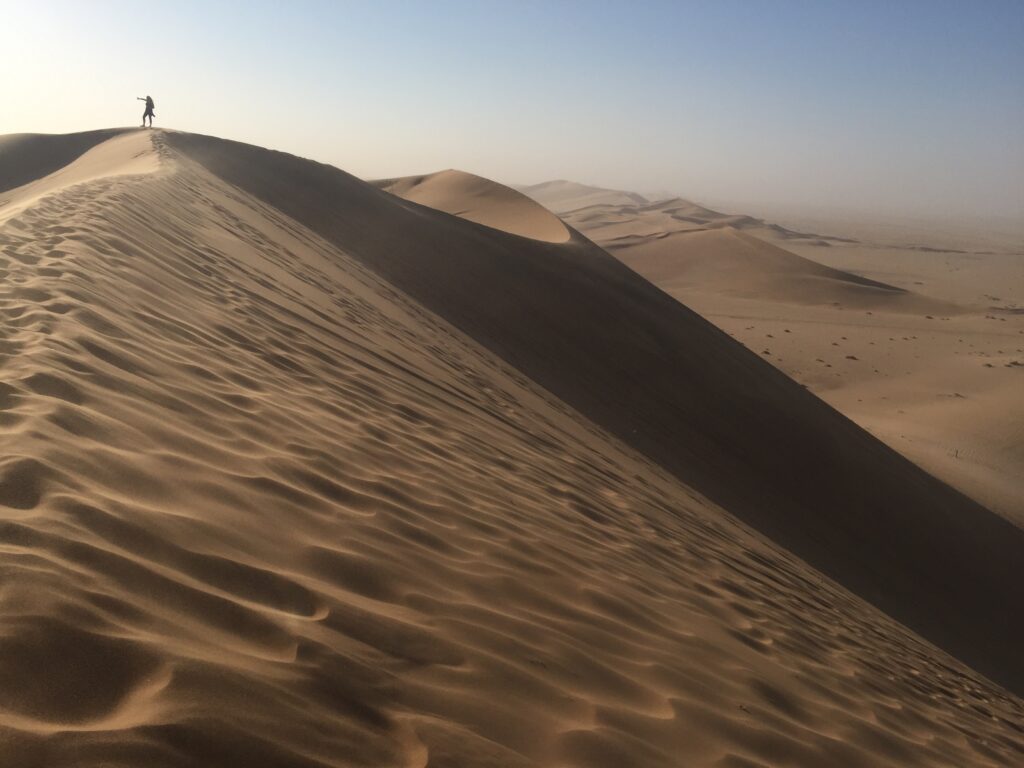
(149, 110)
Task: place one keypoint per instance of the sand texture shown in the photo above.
(300, 474)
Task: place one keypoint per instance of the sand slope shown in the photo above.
(481, 200)
(261, 508)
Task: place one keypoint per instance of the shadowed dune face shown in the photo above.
(261, 508)
(481, 200)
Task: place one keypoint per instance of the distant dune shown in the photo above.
(610, 216)
(563, 196)
(730, 262)
(480, 200)
(301, 473)
(678, 244)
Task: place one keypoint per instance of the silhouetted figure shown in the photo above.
(149, 110)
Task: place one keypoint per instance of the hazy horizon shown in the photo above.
(913, 110)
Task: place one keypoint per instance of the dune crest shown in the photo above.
(261, 507)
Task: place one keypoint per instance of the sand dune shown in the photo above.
(563, 196)
(730, 262)
(611, 216)
(265, 507)
(480, 200)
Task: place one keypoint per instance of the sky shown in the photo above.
(899, 106)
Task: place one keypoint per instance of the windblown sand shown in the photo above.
(260, 508)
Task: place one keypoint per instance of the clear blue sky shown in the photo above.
(907, 106)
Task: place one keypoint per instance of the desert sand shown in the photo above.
(300, 473)
(915, 330)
